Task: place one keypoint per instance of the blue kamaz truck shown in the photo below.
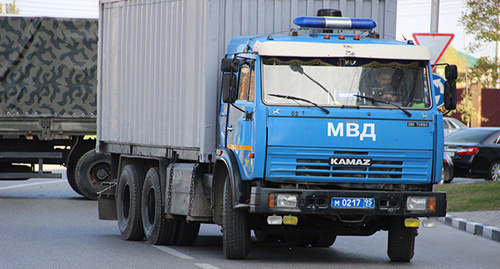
(321, 131)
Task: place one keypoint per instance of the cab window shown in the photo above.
(247, 83)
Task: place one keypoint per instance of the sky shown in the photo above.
(413, 16)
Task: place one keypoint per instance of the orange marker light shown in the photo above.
(341, 37)
(270, 201)
(251, 155)
(327, 36)
(431, 204)
(219, 153)
(356, 37)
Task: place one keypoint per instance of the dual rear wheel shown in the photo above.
(139, 210)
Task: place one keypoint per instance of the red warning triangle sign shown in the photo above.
(437, 44)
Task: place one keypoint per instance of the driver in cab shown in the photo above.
(382, 88)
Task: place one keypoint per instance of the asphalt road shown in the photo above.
(44, 224)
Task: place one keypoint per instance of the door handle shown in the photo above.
(230, 128)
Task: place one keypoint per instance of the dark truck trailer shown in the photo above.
(48, 100)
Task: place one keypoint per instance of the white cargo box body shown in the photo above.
(159, 65)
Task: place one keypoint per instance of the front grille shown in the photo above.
(314, 165)
(356, 172)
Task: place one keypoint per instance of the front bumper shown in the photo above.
(387, 203)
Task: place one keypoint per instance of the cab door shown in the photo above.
(240, 120)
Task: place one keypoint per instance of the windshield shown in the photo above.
(337, 81)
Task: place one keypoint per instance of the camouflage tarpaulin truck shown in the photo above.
(48, 100)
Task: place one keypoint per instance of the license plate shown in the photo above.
(353, 202)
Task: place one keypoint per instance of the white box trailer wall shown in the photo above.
(159, 65)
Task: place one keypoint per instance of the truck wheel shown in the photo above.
(128, 202)
(92, 169)
(401, 243)
(187, 232)
(236, 231)
(70, 175)
(323, 241)
(158, 229)
(494, 174)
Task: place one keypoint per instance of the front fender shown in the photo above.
(241, 193)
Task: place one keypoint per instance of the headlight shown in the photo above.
(420, 203)
(287, 200)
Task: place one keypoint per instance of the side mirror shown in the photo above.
(450, 94)
(229, 88)
(230, 65)
(450, 72)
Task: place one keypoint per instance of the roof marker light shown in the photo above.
(335, 23)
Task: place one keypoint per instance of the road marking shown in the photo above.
(206, 266)
(174, 252)
(31, 184)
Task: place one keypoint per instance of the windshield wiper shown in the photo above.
(298, 68)
(383, 101)
(300, 99)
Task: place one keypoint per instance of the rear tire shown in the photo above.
(128, 203)
(401, 242)
(92, 169)
(157, 228)
(236, 231)
(494, 172)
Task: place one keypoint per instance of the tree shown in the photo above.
(10, 8)
(481, 19)
(467, 110)
(485, 72)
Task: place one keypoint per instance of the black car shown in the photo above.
(475, 153)
(452, 125)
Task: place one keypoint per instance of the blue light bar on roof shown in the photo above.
(335, 22)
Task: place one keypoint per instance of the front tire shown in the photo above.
(494, 172)
(401, 242)
(157, 228)
(92, 169)
(236, 231)
(128, 203)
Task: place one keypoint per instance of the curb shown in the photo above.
(474, 228)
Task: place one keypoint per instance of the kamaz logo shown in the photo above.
(350, 161)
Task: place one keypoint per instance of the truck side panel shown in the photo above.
(159, 63)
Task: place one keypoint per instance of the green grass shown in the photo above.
(477, 196)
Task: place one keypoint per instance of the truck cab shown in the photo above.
(326, 134)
